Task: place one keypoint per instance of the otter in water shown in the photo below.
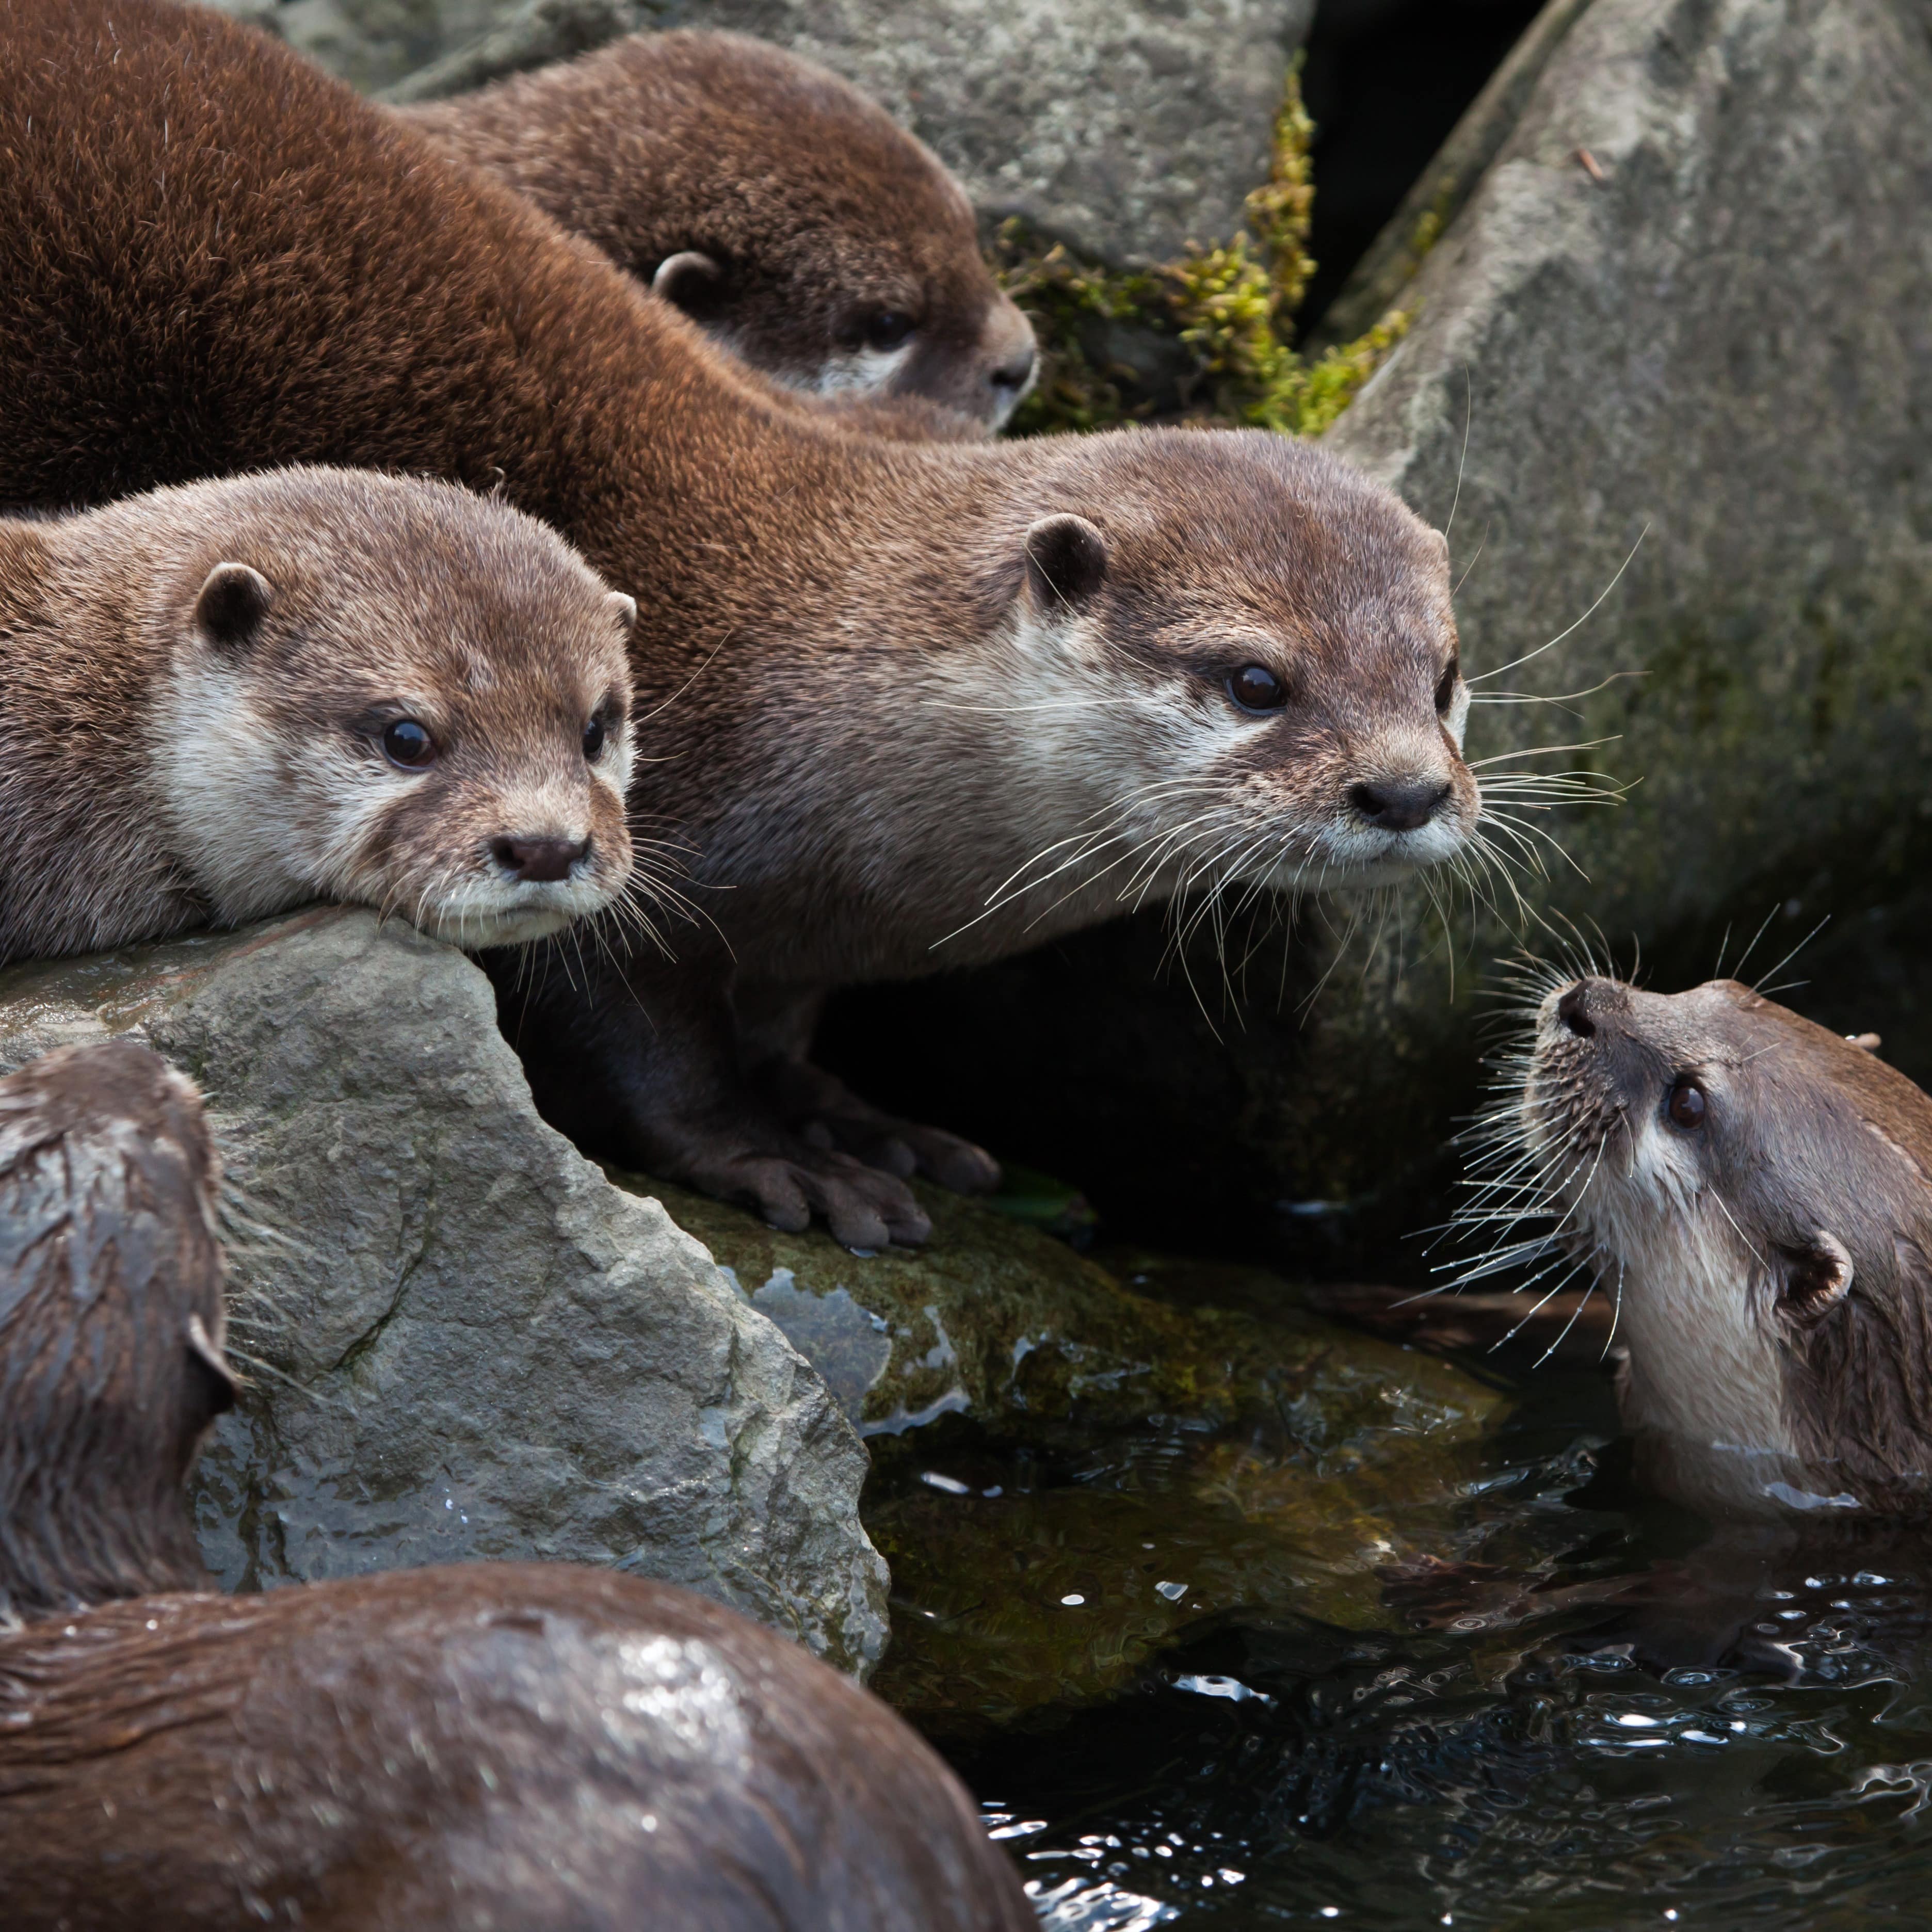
(910, 703)
(220, 700)
(543, 1747)
(1756, 1194)
(771, 201)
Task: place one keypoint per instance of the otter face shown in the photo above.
(437, 726)
(1757, 1192)
(836, 254)
(912, 320)
(1258, 685)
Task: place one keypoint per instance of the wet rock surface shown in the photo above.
(463, 1341)
(1074, 1462)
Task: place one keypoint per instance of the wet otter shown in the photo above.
(772, 201)
(222, 700)
(912, 703)
(521, 1746)
(1756, 1194)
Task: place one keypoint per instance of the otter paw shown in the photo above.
(826, 1113)
(862, 1207)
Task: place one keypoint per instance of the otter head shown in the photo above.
(1236, 663)
(401, 695)
(1757, 1194)
(111, 1326)
(835, 252)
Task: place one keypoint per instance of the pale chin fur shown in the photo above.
(861, 372)
(1358, 858)
(477, 931)
(1704, 1372)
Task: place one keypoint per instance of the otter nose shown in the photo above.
(1400, 804)
(538, 861)
(1573, 1010)
(1015, 372)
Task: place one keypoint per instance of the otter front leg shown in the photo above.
(640, 1064)
(776, 1028)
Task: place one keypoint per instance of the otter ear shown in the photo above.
(1066, 558)
(691, 281)
(1812, 1279)
(219, 1388)
(624, 609)
(230, 605)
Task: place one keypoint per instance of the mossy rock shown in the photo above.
(994, 1318)
(1042, 1432)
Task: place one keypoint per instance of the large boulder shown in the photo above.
(461, 1341)
(1127, 127)
(1691, 301)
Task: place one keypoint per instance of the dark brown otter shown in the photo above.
(1756, 1194)
(910, 703)
(111, 1328)
(771, 201)
(520, 1746)
(222, 700)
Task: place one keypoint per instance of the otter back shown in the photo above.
(220, 700)
(513, 1745)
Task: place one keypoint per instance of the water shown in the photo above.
(1589, 1715)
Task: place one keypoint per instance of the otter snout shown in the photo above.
(1578, 1009)
(1400, 804)
(540, 861)
(1013, 357)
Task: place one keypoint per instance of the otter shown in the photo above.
(906, 704)
(1755, 1192)
(516, 1745)
(222, 700)
(770, 200)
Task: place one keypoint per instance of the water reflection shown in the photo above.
(1601, 1718)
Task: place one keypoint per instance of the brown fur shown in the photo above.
(874, 680)
(154, 776)
(1787, 1236)
(821, 215)
(110, 1327)
(518, 1746)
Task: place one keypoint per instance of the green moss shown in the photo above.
(1226, 313)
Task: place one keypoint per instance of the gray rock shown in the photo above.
(465, 1343)
(1127, 127)
(1691, 302)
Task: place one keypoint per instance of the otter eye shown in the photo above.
(1687, 1105)
(593, 738)
(409, 744)
(888, 329)
(1445, 688)
(1256, 688)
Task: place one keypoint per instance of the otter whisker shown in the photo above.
(1616, 1310)
(1561, 634)
(1795, 951)
(1563, 1281)
(1590, 1288)
(1764, 927)
(1469, 416)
